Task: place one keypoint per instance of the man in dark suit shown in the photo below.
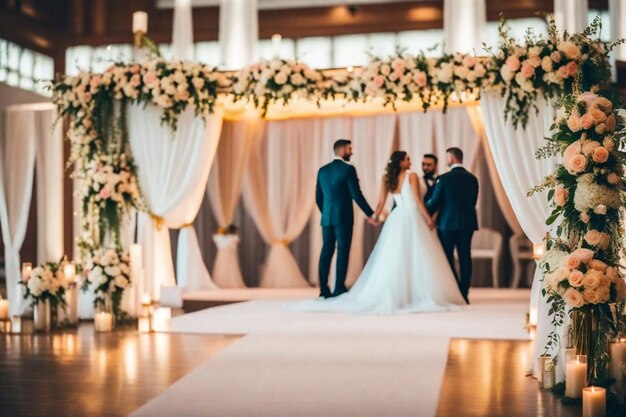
(454, 198)
(337, 187)
(429, 167)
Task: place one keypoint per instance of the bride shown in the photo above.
(407, 270)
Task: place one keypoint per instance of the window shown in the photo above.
(23, 68)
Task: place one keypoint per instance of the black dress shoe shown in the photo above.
(339, 291)
(325, 293)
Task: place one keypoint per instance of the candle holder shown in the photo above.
(16, 325)
(548, 373)
(103, 322)
(42, 316)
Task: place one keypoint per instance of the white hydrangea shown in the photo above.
(552, 259)
(589, 195)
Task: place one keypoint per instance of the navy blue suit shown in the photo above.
(337, 187)
(455, 196)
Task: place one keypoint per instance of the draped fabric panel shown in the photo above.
(17, 161)
(173, 169)
(224, 191)
(182, 31)
(454, 129)
(464, 23)
(513, 151)
(279, 193)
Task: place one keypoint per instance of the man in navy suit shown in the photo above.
(337, 187)
(429, 167)
(454, 198)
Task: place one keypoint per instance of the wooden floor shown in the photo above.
(487, 378)
(82, 373)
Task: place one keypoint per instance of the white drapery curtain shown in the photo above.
(513, 151)
(279, 193)
(224, 191)
(475, 115)
(238, 33)
(571, 15)
(454, 129)
(173, 169)
(464, 24)
(29, 136)
(182, 31)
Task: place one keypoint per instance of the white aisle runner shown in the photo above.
(315, 364)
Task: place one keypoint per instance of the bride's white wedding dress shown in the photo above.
(407, 271)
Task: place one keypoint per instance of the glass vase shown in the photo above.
(42, 316)
(591, 334)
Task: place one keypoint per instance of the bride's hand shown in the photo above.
(431, 223)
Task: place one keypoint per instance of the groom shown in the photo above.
(337, 187)
(454, 197)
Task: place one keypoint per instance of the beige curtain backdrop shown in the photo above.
(224, 192)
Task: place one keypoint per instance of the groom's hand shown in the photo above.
(373, 222)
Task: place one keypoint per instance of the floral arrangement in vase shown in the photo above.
(109, 271)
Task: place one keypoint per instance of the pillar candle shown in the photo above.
(4, 309)
(16, 324)
(594, 402)
(276, 41)
(27, 267)
(617, 352)
(140, 22)
(161, 319)
(69, 270)
(143, 324)
(575, 376)
(103, 322)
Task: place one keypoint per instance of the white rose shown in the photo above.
(297, 79)
(121, 281)
(385, 69)
(112, 271)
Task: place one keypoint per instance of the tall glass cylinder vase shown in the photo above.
(42, 316)
(106, 306)
(591, 337)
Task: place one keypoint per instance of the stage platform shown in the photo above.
(199, 300)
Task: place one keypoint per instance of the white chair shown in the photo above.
(487, 244)
(521, 250)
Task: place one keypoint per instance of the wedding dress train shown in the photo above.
(407, 271)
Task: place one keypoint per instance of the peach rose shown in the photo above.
(604, 293)
(591, 296)
(605, 241)
(604, 282)
(135, 80)
(585, 255)
(597, 265)
(570, 50)
(589, 146)
(512, 63)
(573, 123)
(592, 278)
(620, 286)
(379, 81)
(600, 155)
(604, 103)
(527, 70)
(560, 195)
(610, 123)
(600, 209)
(612, 274)
(420, 78)
(563, 72)
(601, 129)
(555, 56)
(578, 163)
(598, 115)
(575, 278)
(149, 77)
(571, 150)
(608, 143)
(586, 121)
(573, 298)
(613, 178)
(572, 68)
(593, 237)
(571, 261)
(584, 217)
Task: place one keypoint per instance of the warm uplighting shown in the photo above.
(539, 248)
(69, 270)
(161, 319)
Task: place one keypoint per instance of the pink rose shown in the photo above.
(597, 265)
(420, 79)
(149, 77)
(600, 155)
(578, 163)
(593, 237)
(591, 296)
(512, 63)
(573, 298)
(571, 261)
(135, 80)
(586, 121)
(575, 278)
(573, 123)
(573, 149)
(560, 195)
(563, 72)
(584, 217)
(587, 97)
(379, 81)
(572, 68)
(585, 255)
(104, 193)
(527, 70)
(613, 178)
